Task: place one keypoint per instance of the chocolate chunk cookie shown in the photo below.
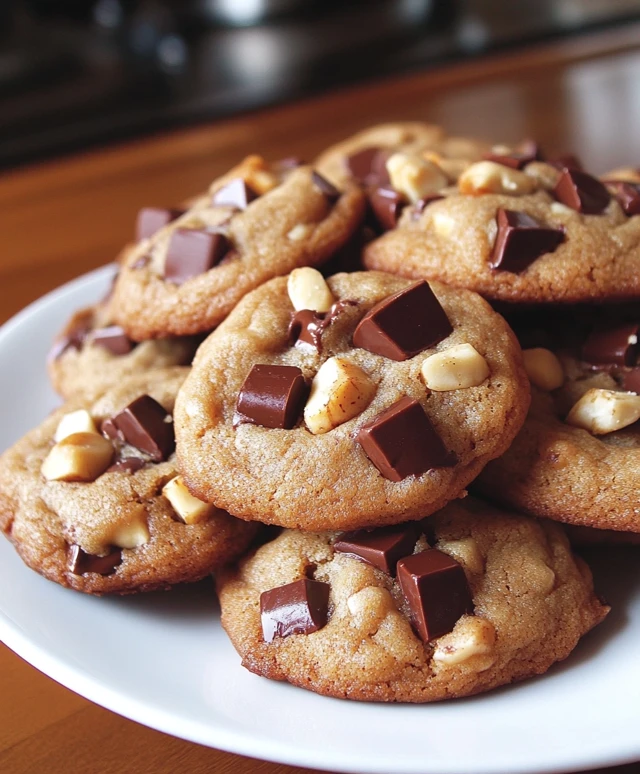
(255, 223)
(515, 228)
(484, 599)
(361, 401)
(577, 456)
(92, 499)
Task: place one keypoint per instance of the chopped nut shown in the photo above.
(558, 208)
(339, 391)
(299, 232)
(466, 552)
(75, 422)
(472, 638)
(443, 224)
(369, 607)
(456, 368)
(308, 290)
(133, 531)
(415, 177)
(604, 411)
(544, 174)
(452, 168)
(261, 181)
(189, 508)
(543, 368)
(78, 457)
(624, 175)
(489, 177)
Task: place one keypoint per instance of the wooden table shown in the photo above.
(60, 219)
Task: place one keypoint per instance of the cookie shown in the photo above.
(255, 223)
(577, 457)
(487, 598)
(518, 229)
(362, 158)
(378, 407)
(92, 355)
(105, 512)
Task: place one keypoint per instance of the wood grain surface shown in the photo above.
(60, 219)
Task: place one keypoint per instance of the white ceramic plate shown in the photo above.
(163, 659)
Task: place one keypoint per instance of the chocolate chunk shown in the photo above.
(73, 338)
(273, 396)
(145, 425)
(192, 252)
(306, 327)
(382, 547)
(236, 193)
(127, 465)
(567, 161)
(80, 562)
(387, 205)
(403, 324)
(369, 166)
(520, 240)
(301, 607)
(627, 195)
(328, 189)
(513, 160)
(109, 429)
(631, 381)
(152, 219)
(581, 192)
(113, 339)
(613, 346)
(401, 442)
(437, 591)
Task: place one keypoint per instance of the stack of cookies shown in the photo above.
(351, 410)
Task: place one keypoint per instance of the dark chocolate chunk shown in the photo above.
(109, 429)
(520, 240)
(382, 547)
(613, 346)
(631, 381)
(145, 425)
(331, 193)
(627, 195)
(273, 396)
(73, 338)
(387, 205)
(127, 465)
(301, 607)
(401, 442)
(306, 327)
(113, 339)
(581, 192)
(152, 219)
(192, 252)
(437, 591)
(80, 562)
(369, 166)
(403, 324)
(236, 193)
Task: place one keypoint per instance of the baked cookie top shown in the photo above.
(483, 599)
(91, 498)
(577, 456)
(257, 222)
(512, 227)
(360, 401)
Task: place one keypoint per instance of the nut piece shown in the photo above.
(623, 174)
(472, 637)
(443, 224)
(189, 508)
(78, 457)
(339, 391)
(489, 177)
(415, 177)
(299, 232)
(455, 369)
(466, 552)
(369, 607)
(308, 290)
(261, 181)
(544, 174)
(543, 368)
(133, 531)
(452, 168)
(604, 411)
(75, 422)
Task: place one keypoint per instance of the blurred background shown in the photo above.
(76, 73)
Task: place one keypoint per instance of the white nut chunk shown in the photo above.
(604, 411)
(455, 369)
(472, 638)
(79, 421)
(189, 508)
(78, 457)
(308, 290)
(466, 552)
(415, 177)
(340, 391)
(543, 368)
(131, 530)
(490, 177)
